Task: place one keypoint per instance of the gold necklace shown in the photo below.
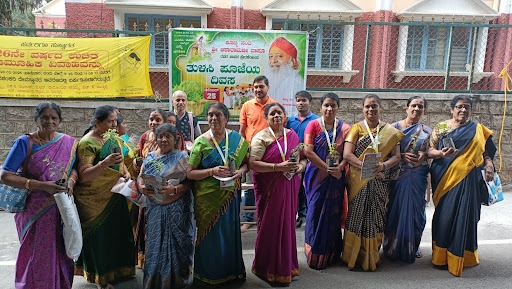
(40, 141)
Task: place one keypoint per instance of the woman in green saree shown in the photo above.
(218, 153)
(108, 248)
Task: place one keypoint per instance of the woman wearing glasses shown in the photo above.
(461, 148)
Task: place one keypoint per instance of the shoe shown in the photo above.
(419, 254)
(245, 227)
(300, 221)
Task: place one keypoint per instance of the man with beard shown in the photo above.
(298, 123)
(252, 120)
(186, 122)
(283, 71)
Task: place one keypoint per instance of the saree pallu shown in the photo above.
(145, 146)
(218, 256)
(170, 231)
(405, 220)
(42, 261)
(457, 183)
(324, 193)
(129, 156)
(108, 248)
(275, 256)
(367, 200)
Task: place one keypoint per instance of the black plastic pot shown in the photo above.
(62, 182)
(331, 162)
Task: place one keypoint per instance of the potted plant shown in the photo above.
(295, 154)
(110, 137)
(57, 169)
(333, 156)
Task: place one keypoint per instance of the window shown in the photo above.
(159, 51)
(428, 47)
(325, 46)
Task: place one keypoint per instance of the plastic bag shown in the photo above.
(494, 190)
(72, 229)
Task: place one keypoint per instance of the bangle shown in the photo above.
(384, 166)
(100, 163)
(211, 172)
(71, 179)
(274, 168)
(27, 184)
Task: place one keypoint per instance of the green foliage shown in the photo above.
(19, 11)
(110, 137)
(332, 150)
(296, 151)
(154, 167)
(192, 88)
(55, 168)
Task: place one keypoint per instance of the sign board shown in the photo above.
(221, 64)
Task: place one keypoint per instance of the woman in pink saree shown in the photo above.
(42, 261)
(276, 187)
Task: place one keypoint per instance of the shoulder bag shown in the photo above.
(13, 199)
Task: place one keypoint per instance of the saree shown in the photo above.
(107, 252)
(145, 146)
(170, 230)
(324, 193)
(42, 261)
(457, 183)
(367, 200)
(405, 219)
(129, 156)
(218, 256)
(275, 252)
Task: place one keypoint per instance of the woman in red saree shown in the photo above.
(276, 187)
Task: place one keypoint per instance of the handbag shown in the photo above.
(13, 199)
(494, 190)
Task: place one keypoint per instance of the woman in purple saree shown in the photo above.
(42, 261)
(276, 187)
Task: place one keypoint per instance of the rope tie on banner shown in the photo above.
(507, 80)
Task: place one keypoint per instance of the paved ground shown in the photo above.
(495, 247)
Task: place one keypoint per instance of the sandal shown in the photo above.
(419, 255)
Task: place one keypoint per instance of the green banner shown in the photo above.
(220, 65)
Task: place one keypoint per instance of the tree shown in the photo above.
(8, 8)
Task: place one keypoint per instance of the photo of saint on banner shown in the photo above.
(220, 65)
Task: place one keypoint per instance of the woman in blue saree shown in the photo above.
(457, 184)
(406, 206)
(42, 261)
(324, 186)
(170, 230)
(218, 153)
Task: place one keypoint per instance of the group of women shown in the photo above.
(190, 229)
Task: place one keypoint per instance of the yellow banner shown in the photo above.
(74, 67)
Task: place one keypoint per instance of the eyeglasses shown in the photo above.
(463, 106)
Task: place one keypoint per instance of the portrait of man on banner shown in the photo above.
(283, 69)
